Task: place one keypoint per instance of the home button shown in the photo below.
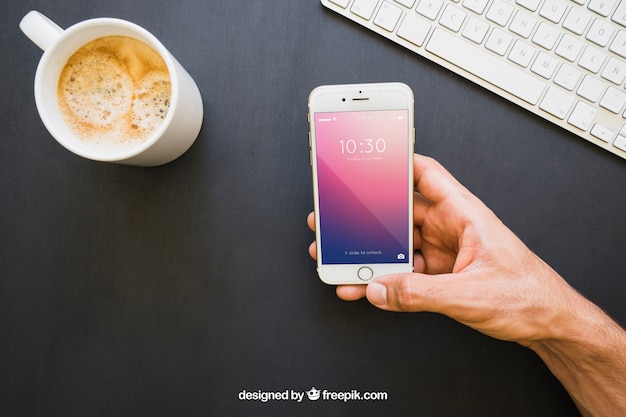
(365, 273)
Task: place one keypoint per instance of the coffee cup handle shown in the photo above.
(39, 29)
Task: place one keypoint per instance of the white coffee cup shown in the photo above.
(171, 139)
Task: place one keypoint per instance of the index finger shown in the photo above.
(432, 180)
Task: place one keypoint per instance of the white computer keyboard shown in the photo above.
(564, 60)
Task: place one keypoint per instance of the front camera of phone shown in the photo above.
(343, 99)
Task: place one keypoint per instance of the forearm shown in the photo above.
(588, 356)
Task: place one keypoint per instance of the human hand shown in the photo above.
(472, 268)
(468, 266)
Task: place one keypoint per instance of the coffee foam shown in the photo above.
(114, 92)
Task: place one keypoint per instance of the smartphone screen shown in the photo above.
(362, 165)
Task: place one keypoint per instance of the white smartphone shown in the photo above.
(362, 140)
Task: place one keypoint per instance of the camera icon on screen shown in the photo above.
(401, 256)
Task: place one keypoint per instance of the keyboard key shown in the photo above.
(577, 20)
(592, 59)
(452, 18)
(619, 44)
(591, 88)
(582, 116)
(406, 3)
(546, 36)
(500, 12)
(523, 24)
(613, 100)
(553, 10)
(529, 4)
(615, 71)
(567, 77)
(544, 65)
(602, 7)
(600, 32)
(498, 42)
(601, 132)
(619, 16)
(341, 3)
(569, 48)
(364, 8)
(556, 102)
(429, 8)
(414, 29)
(388, 16)
(476, 29)
(485, 66)
(620, 143)
(522, 53)
(477, 6)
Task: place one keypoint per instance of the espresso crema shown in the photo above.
(114, 91)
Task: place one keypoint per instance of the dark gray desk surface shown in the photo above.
(168, 291)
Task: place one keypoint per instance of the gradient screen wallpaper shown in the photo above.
(363, 186)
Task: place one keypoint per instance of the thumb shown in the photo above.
(410, 292)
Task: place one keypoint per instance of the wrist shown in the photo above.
(575, 321)
(587, 353)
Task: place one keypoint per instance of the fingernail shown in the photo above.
(377, 294)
